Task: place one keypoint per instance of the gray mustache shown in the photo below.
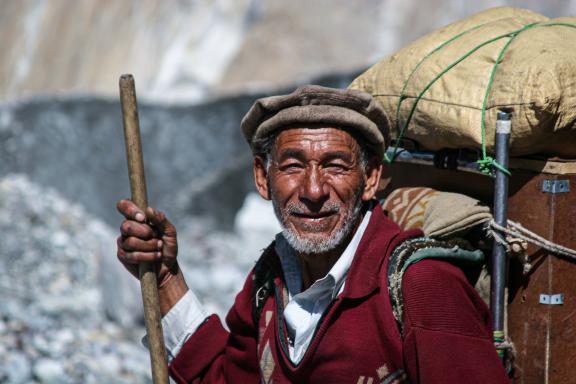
(327, 208)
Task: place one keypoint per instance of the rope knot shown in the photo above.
(487, 164)
(515, 231)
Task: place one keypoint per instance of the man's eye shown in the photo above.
(336, 166)
(291, 166)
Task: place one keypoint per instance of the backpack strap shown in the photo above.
(413, 250)
(266, 270)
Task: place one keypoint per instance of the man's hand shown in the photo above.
(149, 237)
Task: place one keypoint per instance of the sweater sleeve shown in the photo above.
(447, 332)
(214, 355)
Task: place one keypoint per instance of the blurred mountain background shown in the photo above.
(69, 313)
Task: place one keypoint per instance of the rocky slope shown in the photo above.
(70, 313)
(54, 327)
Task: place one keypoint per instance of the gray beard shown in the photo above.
(309, 246)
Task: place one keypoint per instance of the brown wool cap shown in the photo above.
(313, 104)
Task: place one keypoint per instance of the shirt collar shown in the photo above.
(380, 237)
(337, 274)
(340, 269)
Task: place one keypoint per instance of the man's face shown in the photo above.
(317, 185)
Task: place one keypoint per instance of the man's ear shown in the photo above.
(373, 173)
(261, 177)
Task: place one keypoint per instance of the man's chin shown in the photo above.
(317, 230)
(313, 242)
(319, 236)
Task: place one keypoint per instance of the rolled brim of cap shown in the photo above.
(315, 106)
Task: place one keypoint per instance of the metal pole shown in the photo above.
(499, 265)
(148, 282)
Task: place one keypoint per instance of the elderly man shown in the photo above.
(316, 307)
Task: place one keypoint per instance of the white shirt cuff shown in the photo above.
(180, 323)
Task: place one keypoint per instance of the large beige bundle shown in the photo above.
(535, 78)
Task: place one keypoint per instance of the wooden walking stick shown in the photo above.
(138, 189)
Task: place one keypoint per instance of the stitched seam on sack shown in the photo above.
(453, 104)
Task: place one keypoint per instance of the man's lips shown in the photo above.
(316, 220)
(313, 215)
(312, 220)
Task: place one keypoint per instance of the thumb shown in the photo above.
(160, 222)
(167, 231)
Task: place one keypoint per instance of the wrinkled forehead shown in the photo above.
(315, 139)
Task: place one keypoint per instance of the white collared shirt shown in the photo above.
(302, 313)
(305, 309)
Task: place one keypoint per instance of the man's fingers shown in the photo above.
(130, 210)
(151, 240)
(132, 268)
(132, 228)
(134, 244)
(140, 257)
(168, 232)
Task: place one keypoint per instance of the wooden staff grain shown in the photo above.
(148, 282)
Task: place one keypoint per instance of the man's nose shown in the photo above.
(313, 187)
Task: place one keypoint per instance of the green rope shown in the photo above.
(498, 338)
(403, 96)
(438, 76)
(487, 163)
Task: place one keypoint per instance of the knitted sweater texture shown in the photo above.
(447, 335)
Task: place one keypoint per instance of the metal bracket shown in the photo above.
(557, 299)
(556, 186)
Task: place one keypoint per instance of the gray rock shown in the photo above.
(48, 371)
(15, 368)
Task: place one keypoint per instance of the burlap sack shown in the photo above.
(438, 214)
(536, 79)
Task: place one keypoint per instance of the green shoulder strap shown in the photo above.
(414, 250)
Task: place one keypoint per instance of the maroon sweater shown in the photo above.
(447, 334)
